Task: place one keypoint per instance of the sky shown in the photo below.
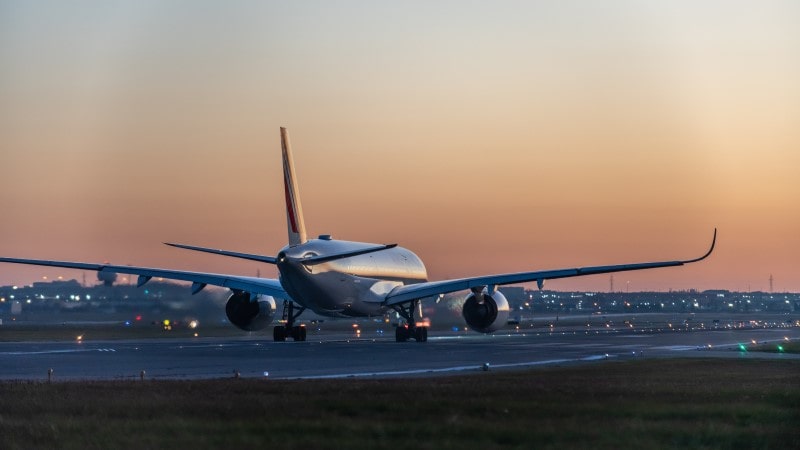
(487, 137)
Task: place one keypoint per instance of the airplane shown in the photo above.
(338, 278)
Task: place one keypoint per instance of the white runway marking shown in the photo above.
(46, 352)
(555, 344)
(181, 347)
(451, 369)
(677, 348)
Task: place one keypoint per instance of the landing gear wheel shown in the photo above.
(279, 333)
(401, 333)
(299, 333)
(409, 330)
(289, 330)
(421, 334)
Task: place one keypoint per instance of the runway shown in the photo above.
(327, 355)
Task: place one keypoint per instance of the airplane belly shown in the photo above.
(322, 293)
(350, 296)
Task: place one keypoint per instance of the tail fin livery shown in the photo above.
(294, 211)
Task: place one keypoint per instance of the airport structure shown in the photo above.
(64, 300)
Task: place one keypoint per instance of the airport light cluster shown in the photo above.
(62, 300)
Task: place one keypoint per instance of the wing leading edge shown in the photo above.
(403, 294)
(265, 286)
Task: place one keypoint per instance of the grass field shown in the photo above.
(776, 347)
(682, 403)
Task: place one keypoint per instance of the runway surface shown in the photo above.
(332, 355)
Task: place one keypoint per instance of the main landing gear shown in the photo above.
(410, 330)
(296, 332)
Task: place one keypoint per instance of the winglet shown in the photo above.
(294, 211)
(713, 243)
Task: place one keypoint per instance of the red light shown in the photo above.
(138, 318)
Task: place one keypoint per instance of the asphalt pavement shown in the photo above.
(341, 355)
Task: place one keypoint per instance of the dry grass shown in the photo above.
(639, 404)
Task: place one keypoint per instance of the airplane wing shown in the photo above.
(199, 280)
(404, 294)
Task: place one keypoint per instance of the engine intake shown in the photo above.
(486, 313)
(250, 314)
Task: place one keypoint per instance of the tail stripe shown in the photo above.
(289, 201)
(294, 210)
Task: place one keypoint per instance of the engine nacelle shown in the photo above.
(485, 313)
(250, 314)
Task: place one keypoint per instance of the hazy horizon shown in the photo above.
(485, 137)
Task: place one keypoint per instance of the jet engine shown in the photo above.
(250, 313)
(486, 312)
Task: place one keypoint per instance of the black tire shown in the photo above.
(279, 333)
(298, 333)
(401, 334)
(421, 334)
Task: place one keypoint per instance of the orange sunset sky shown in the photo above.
(487, 137)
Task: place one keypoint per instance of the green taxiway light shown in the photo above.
(780, 348)
(742, 347)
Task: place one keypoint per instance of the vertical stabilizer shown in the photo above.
(294, 211)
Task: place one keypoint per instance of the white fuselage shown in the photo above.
(354, 286)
